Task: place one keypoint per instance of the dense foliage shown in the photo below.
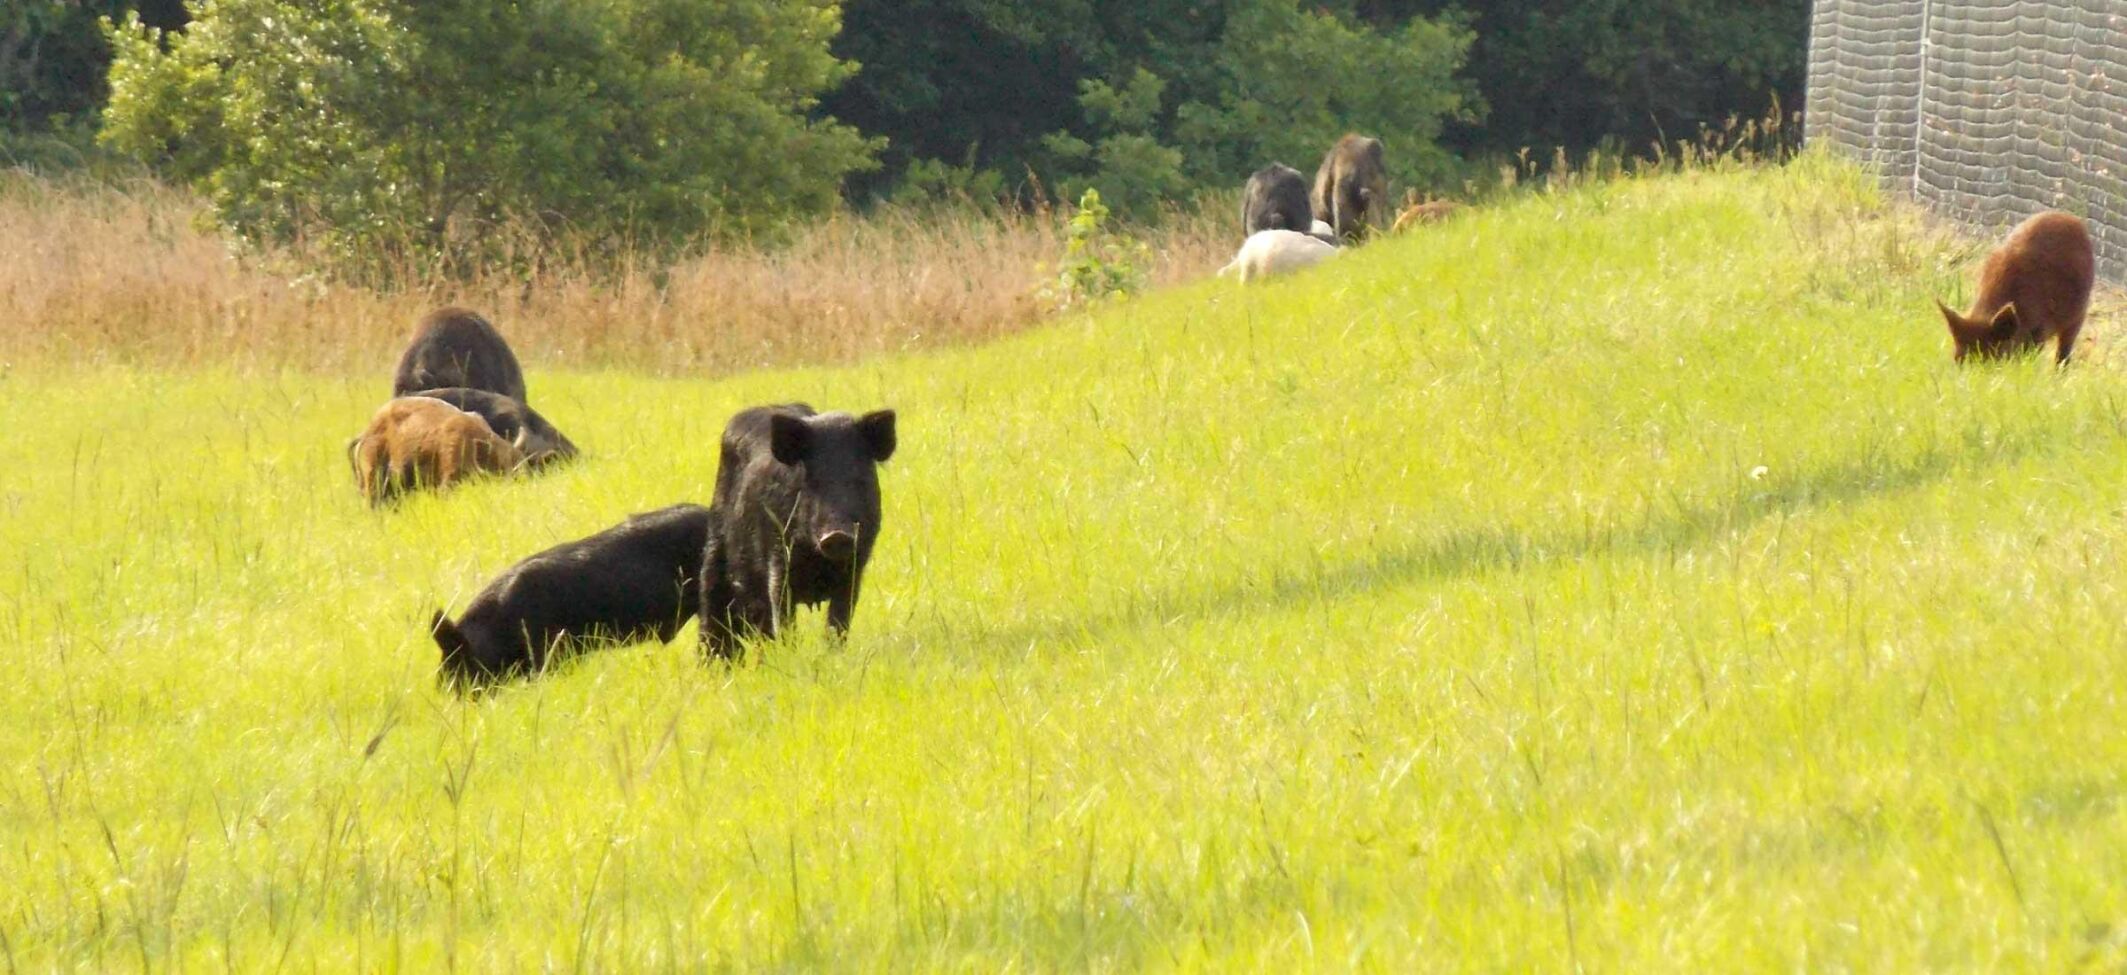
(53, 59)
(1144, 99)
(355, 120)
(421, 124)
(1582, 73)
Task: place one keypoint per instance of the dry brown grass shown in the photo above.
(94, 272)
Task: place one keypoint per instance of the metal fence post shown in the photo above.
(1920, 100)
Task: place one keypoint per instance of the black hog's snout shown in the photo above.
(838, 545)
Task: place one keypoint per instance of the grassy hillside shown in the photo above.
(1623, 579)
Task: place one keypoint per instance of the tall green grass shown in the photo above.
(1619, 579)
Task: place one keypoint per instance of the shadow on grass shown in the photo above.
(1467, 551)
(1145, 921)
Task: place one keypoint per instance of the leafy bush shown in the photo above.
(1099, 262)
(389, 128)
(933, 181)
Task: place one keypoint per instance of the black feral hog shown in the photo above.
(1351, 188)
(797, 496)
(457, 347)
(512, 421)
(632, 581)
(1276, 199)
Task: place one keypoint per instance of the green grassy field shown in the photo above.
(1621, 579)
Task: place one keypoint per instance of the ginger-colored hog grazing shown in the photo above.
(1418, 214)
(512, 421)
(416, 442)
(2034, 287)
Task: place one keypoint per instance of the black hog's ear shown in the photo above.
(878, 429)
(787, 438)
(447, 637)
(2003, 327)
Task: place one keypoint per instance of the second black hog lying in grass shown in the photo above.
(511, 420)
(632, 581)
(417, 442)
(797, 500)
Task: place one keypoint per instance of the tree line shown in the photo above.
(346, 122)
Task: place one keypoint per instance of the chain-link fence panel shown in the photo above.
(1987, 111)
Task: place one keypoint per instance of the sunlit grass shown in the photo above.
(1620, 578)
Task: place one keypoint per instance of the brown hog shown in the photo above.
(1351, 187)
(1416, 214)
(416, 442)
(2034, 287)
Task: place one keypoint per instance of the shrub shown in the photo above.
(1099, 262)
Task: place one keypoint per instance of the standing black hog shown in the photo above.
(1276, 199)
(631, 581)
(797, 500)
(457, 347)
(512, 421)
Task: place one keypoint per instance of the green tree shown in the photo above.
(377, 127)
(1148, 99)
(1268, 81)
(53, 57)
(990, 84)
(1128, 158)
(1283, 83)
(969, 84)
(1580, 73)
